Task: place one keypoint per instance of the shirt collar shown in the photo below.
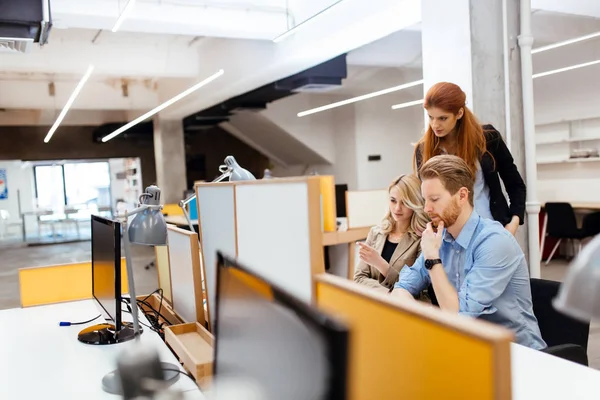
(466, 233)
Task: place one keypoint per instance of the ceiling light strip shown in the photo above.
(565, 43)
(572, 67)
(126, 10)
(163, 106)
(407, 104)
(360, 98)
(303, 23)
(70, 101)
(534, 76)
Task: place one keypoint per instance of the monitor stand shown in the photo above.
(105, 334)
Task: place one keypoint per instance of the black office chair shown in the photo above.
(562, 224)
(566, 337)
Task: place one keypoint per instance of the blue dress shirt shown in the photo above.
(487, 267)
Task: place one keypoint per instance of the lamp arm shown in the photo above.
(139, 209)
(130, 277)
(224, 175)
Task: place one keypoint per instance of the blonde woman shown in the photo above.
(395, 242)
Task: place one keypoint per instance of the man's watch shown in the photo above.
(431, 262)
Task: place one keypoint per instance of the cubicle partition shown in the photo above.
(275, 226)
(366, 208)
(415, 351)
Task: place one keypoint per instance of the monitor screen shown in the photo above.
(274, 342)
(340, 200)
(106, 267)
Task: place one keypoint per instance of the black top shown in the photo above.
(501, 166)
(388, 250)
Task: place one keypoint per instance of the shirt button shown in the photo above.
(457, 251)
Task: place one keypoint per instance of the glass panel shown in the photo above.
(50, 190)
(88, 188)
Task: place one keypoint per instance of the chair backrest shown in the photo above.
(556, 328)
(561, 220)
(591, 224)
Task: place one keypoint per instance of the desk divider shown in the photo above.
(366, 208)
(273, 224)
(60, 283)
(186, 274)
(161, 254)
(415, 351)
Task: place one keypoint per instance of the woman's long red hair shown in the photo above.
(470, 140)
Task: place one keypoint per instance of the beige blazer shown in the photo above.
(407, 251)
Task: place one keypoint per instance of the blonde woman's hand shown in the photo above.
(370, 256)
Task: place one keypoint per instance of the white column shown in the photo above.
(473, 43)
(169, 156)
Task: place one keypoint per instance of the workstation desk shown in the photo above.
(42, 360)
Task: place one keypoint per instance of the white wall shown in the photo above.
(568, 96)
(19, 178)
(389, 133)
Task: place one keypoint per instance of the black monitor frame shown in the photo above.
(116, 226)
(334, 332)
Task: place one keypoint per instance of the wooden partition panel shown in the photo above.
(164, 272)
(328, 208)
(279, 231)
(366, 208)
(414, 351)
(186, 275)
(60, 283)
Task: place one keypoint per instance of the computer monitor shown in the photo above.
(106, 284)
(340, 200)
(272, 341)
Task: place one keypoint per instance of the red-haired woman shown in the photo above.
(454, 129)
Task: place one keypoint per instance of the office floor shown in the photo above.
(15, 256)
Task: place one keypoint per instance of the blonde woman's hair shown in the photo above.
(409, 188)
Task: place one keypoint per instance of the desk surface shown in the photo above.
(537, 375)
(42, 360)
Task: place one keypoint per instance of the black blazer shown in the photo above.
(502, 166)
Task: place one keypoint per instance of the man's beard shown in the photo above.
(449, 215)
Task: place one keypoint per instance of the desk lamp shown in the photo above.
(579, 295)
(148, 227)
(231, 170)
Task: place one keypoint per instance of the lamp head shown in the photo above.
(237, 173)
(149, 227)
(579, 295)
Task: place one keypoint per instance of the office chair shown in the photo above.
(563, 225)
(566, 337)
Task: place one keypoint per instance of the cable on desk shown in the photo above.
(181, 372)
(67, 323)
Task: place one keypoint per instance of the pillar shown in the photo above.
(473, 43)
(169, 156)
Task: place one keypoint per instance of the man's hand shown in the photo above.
(513, 225)
(432, 241)
(370, 256)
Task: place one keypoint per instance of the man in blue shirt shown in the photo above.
(475, 265)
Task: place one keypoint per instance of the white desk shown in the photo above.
(536, 375)
(40, 359)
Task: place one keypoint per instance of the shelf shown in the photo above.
(571, 140)
(569, 160)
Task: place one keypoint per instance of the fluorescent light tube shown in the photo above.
(407, 104)
(572, 67)
(565, 43)
(359, 98)
(163, 106)
(126, 10)
(67, 106)
(303, 23)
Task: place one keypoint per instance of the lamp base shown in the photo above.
(105, 334)
(111, 382)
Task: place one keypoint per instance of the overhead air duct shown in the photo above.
(22, 23)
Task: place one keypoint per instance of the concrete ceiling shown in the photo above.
(165, 46)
